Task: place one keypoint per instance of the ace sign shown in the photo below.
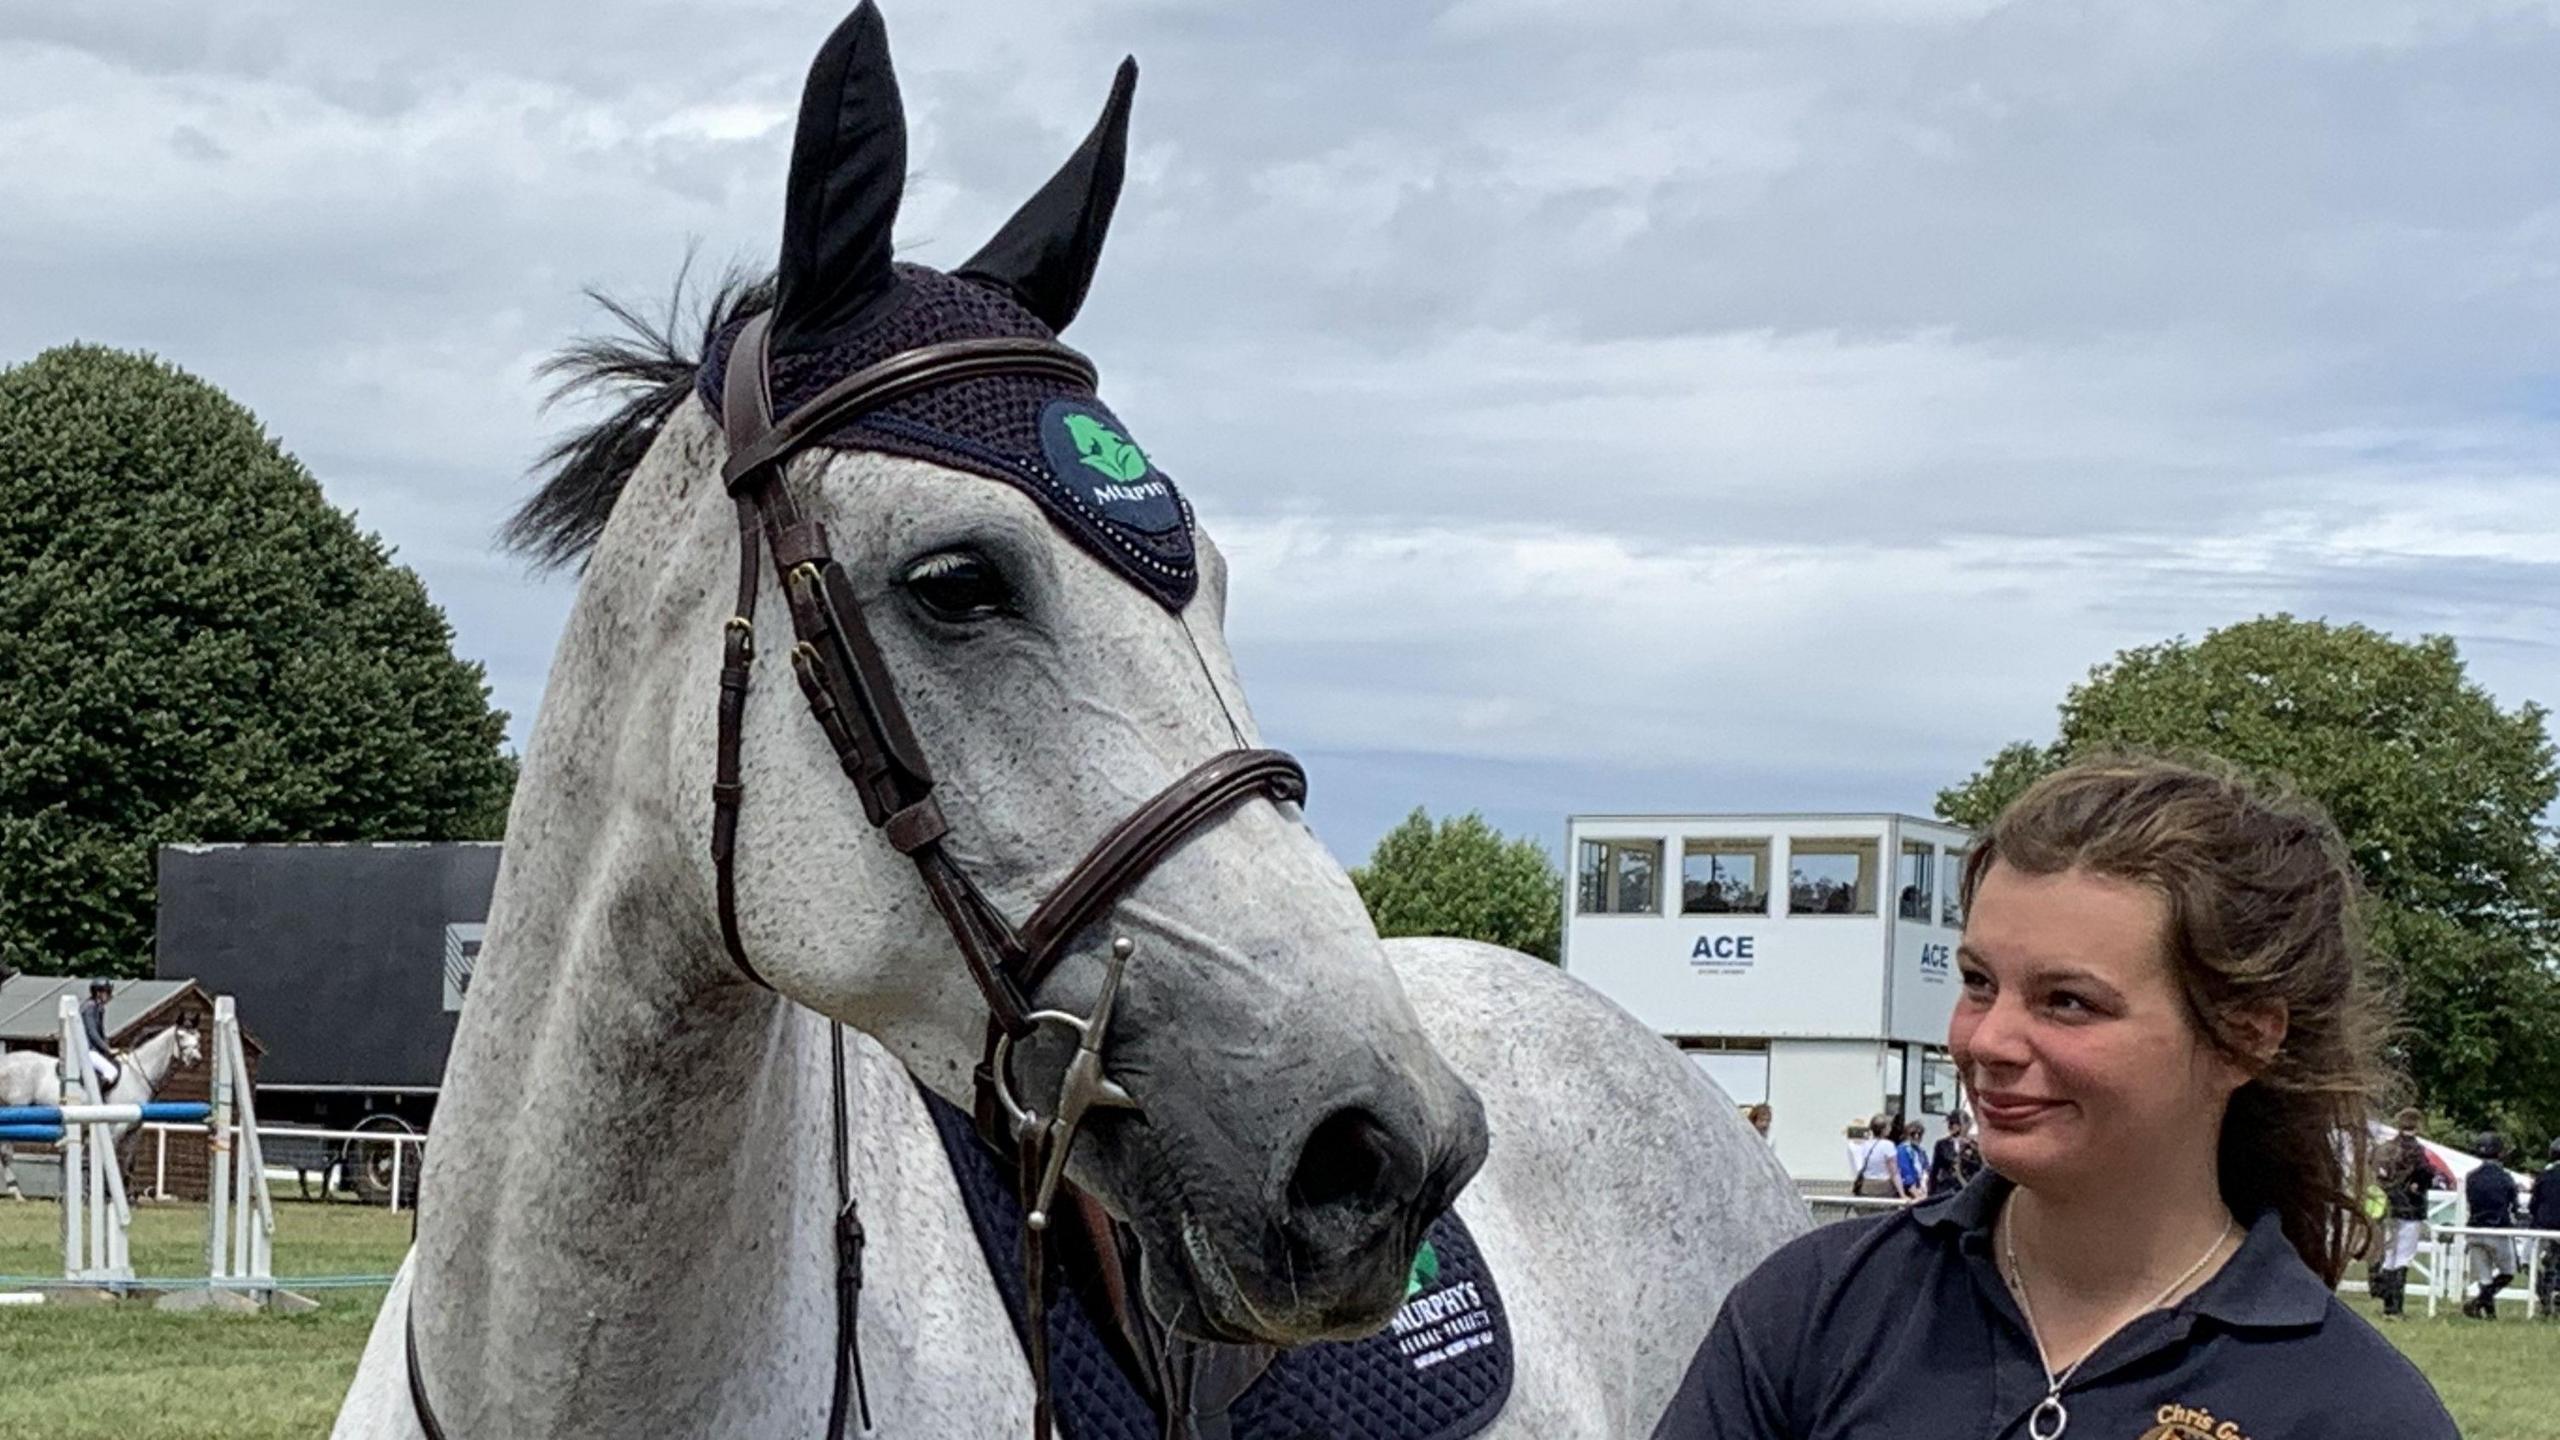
(1722, 954)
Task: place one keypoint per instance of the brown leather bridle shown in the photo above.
(855, 702)
(856, 705)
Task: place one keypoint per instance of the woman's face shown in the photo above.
(2074, 1036)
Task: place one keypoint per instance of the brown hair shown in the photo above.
(2263, 907)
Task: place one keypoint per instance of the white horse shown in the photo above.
(29, 1077)
(627, 1220)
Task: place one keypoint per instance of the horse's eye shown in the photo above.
(959, 585)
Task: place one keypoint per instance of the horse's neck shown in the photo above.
(627, 1220)
(626, 1211)
(621, 1196)
(628, 1214)
(147, 1065)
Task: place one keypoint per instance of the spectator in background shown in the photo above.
(1759, 1116)
(2545, 1215)
(1911, 1163)
(2405, 1176)
(2490, 1195)
(1956, 1159)
(1871, 1160)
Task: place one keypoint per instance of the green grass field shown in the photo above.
(131, 1373)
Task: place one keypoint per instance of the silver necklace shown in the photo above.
(2049, 1410)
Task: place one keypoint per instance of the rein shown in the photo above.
(851, 695)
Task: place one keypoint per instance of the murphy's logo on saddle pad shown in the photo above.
(1439, 1323)
(2191, 1422)
(1092, 456)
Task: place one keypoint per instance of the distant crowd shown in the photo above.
(2405, 1177)
(1886, 1160)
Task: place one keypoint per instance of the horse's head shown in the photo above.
(190, 1046)
(1052, 624)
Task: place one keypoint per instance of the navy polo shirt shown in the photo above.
(1901, 1325)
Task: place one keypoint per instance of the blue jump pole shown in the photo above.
(178, 1111)
(29, 1134)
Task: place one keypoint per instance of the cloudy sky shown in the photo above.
(1607, 404)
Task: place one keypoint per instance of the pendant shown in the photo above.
(2048, 1411)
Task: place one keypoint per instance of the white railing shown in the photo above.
(1827, 1208)
(398, 1140)
(2448, 1248)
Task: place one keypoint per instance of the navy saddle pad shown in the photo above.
(1441, 1370)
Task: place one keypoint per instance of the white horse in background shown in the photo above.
(30, 1077)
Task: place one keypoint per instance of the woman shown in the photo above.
(1871, 1160)
(1759, 1115)
(2168, 1044)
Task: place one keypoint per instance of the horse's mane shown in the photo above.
(649, 369)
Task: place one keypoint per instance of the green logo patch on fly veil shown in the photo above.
(1094, 460)
(1426, 1269)
(1105, 449)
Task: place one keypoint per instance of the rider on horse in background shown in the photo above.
(93, 1022)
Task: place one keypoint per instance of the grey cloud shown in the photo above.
(2033, 330)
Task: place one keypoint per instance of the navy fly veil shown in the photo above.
(1054, 441)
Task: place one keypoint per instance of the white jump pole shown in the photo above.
(74, 1055)
(217, 1227)
(109, 1162)
(257, 1215)
(94, 1174)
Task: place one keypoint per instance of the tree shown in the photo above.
(2439, 793)
(1462, 877)
(194, 646)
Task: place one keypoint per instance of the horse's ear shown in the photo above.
(1044, 256)
(848, 167)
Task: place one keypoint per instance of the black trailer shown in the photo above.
(350, 961)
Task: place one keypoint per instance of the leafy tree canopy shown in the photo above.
(1461, 877)
(2440, 794)
(195, 646)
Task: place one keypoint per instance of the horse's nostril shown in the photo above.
(1349, 1161)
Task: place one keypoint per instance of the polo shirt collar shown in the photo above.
(2264, 1285)
(1968, 1212)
